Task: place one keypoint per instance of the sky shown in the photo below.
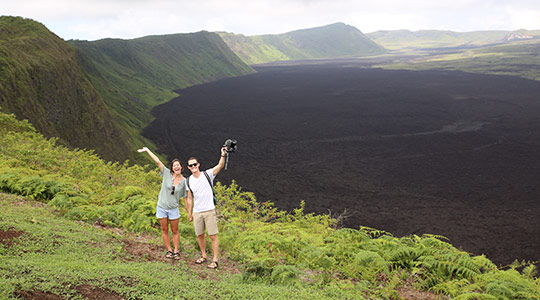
(127, 19)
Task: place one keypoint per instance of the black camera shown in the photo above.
(231, 145)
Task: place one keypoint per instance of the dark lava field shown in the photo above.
(439, 152)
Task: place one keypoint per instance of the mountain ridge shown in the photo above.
(405, 39)
(331, 41)
(138, 74)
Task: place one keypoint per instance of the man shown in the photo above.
(200, 200)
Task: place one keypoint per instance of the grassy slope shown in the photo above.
(410, 40)
(279, 253)
(42, 80)
(135, 75)
(78, 254)
(331, 41)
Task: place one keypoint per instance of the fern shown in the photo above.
(500, 290)
(484, 264)
(130, 191)
(374, 233)
(316, 258)
(475, 296)
(407, 257)
(530, 271)
(285, 275)
(366, 265)
(455, 265)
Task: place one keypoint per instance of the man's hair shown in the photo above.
(176, 160)
(193, 158)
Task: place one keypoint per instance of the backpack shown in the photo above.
(209, 182)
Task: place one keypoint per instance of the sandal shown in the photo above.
(169, 254)
(176, 256)
(200, 260)
(213, 265)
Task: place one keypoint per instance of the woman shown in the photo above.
(173, 186)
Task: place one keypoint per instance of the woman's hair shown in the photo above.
(172, 163)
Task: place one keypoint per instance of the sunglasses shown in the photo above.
(193, 165)
(172, 193)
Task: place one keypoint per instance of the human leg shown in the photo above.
(215, 251)
(211, 226)
(202, 245)
(175, 237)
(198, 223)
(175, 234)
(164, 222)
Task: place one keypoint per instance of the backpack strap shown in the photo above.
(211, 185)
(210, 182)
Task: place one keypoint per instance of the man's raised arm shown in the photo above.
(221, 163)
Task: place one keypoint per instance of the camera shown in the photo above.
(231, 145)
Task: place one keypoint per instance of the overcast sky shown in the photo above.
(97, 19)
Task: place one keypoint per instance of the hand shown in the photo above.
(143, 149)
(223, 151)
(190, 217)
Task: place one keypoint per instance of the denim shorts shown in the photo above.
(171, 214)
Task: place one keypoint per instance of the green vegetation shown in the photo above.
(58, 256)
(279, 253)
(135, 75)
(519, 58)
(41, 80)
(331, 41)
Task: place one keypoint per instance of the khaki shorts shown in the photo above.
(205, 219)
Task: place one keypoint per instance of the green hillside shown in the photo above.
(41, 79)
(410, 40)
(135, 75)
(73, 226)
(98, 95)
(331, 41)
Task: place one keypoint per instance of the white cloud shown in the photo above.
(522, 18)
(95, 19)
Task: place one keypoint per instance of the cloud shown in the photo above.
(523, 18)
(95, 19)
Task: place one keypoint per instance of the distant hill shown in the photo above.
(331, 41)
(407, 40)
(98, 95)
(42, 80)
